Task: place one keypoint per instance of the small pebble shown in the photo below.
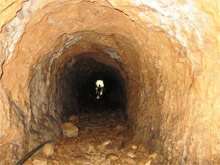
(112, 156)
(134, 147)
(129, 160)
(153, 156)
(131, 155)
(107, 142)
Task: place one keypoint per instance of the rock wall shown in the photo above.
(167, 53)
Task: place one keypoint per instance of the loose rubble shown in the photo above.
(98, 142)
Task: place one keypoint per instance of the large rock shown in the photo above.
(119, 129)
(48, 149)
(70, 130)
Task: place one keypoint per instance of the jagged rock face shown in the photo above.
(167, 54)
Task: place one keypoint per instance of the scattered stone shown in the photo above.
(116, 162)
(112, 146)
(105, 161)
(129, 160)
(88, 148)
(107, 142)
(69, 129)
(141, 148)
(29, 162)
(74, 119)
(48, 149)
(112, 156)
(148, 163)
(82, 159)
(39, 161)
(153, 156)
(62, 152)
(131, 155)
(100, 147)
(128, 145)
(144, 159)
(158, 160)
(134, 147)
(55, 162)
(63, 161)
(119, 129)
(140, 163)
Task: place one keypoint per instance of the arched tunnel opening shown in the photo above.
(158, 99)
(79, 89)
(64, 84)
(88, 72)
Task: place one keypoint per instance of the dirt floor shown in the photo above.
(104, 138)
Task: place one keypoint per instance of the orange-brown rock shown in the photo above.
(162, 56)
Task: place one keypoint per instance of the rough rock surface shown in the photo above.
(70, 130)
(86, 148)
(167, 52)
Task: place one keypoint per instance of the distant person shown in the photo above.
(99, 89)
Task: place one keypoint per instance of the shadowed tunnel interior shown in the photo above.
(64, 82)
(88, 72)
(81, 79)
(159, 61)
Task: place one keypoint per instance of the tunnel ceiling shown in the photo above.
(166, 53)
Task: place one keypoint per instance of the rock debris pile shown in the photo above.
(99, 142)
(159, 60)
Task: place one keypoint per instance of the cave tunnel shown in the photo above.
(87, 72)
(160, 74)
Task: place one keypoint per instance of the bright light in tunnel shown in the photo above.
(100, 82)
(99, 88)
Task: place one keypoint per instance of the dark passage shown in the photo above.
(81, 77)
(88, 120)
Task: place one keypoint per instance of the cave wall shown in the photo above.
(169, 51)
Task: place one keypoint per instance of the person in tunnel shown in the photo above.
(99, 89)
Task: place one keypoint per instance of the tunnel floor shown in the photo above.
(104, 138)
